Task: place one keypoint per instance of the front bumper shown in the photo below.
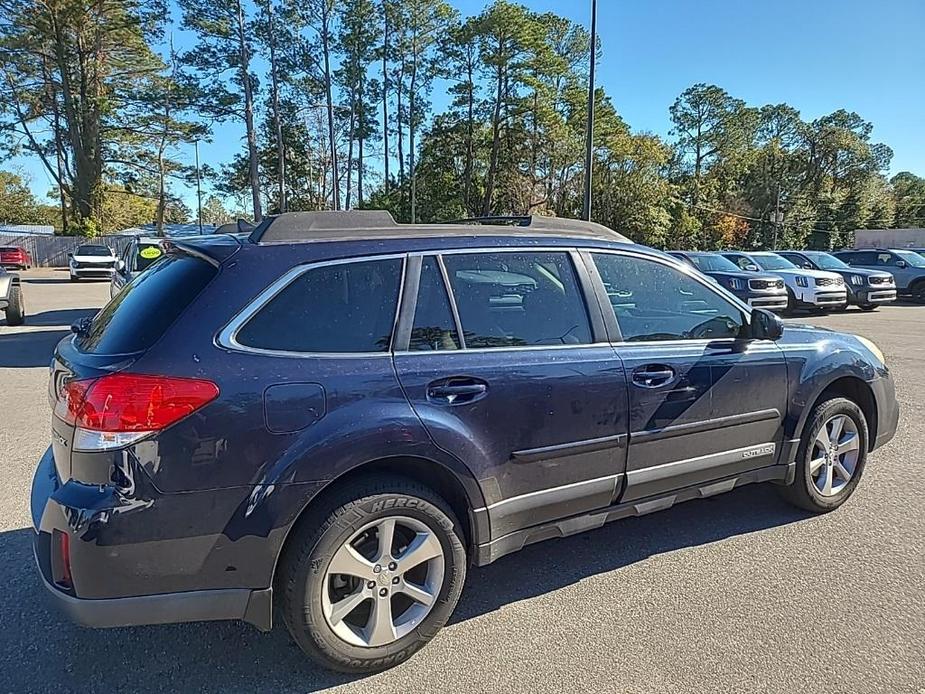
(874, 295)
(823, 297)
(91, 271)
(887, 409)
(107, 565)
(772, 303)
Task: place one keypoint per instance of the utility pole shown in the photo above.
(198, 190)
(777, 219)
(589, 134)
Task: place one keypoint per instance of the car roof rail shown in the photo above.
(544, 223)
(355, 224)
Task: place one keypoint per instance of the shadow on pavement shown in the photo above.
(29, 348)
(44, 652)
(26, 350)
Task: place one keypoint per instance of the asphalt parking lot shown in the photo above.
(734, 593)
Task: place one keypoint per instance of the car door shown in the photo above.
(705, 402)
(513, 374)
(889, 262)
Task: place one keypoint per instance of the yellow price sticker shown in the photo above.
(150, 252)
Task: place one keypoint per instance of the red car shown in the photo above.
(13, 256)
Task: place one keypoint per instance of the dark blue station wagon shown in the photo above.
(336, 415)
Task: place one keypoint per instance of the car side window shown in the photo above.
(518, 299)
(740, 260)
(886, 259)
(653, 301)
(342, 308)
(433, 328)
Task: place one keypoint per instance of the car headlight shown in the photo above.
(802, 281)
(857, 280)
(872, 347)
(735, 283)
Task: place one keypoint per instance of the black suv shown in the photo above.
(337, 415)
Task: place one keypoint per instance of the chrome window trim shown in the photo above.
(227, 337)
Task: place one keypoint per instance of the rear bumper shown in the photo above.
(107, 565)
(167, 608)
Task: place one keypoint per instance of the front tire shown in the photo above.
(831, 457)
(372, 574)
(867, 307)
(16, 309)
(918, 292)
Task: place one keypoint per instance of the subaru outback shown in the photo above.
(335, 416)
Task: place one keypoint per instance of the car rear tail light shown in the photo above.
(119, 409)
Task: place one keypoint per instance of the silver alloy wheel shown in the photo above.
(835, 454)
(383, 581)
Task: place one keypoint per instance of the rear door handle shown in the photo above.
(456, 391)
(653, 375)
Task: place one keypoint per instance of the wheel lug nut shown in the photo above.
(371, 584)
(377, 569)
(395, 580)
(383, 592)
(392, 566)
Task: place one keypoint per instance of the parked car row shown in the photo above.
(790, 280)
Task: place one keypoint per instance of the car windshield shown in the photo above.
(772, 261)
(713, 263)
(912, 258)
(147, 254)
(92, 250)
(827, 261)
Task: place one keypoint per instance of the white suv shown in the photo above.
(91, 260)
(806, 288)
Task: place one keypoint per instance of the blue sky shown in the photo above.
(817, 55)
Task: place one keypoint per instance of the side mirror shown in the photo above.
(901, 264)
(70, 255)
(766, 325)
(808, 266)
(751, 267)
(120, 265)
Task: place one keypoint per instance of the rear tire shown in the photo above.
(831, 457)
(74, 278)
(353, 622)
(16, 309)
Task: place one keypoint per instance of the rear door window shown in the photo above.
(146, 254)
(518, 299)
(342, 308)
(434, 328)
(140, 313)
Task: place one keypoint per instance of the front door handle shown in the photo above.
(456, 391)
(653, 375)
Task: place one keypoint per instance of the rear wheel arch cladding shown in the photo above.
(464, 501)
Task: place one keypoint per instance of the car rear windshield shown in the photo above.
(139, 314)
(92, 250)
